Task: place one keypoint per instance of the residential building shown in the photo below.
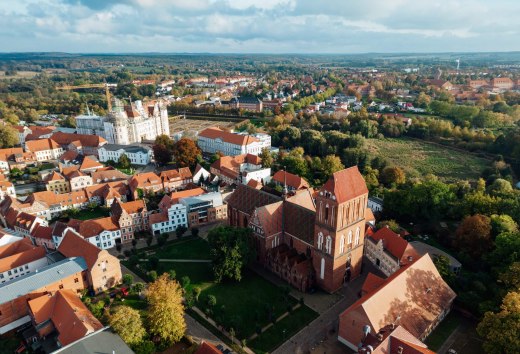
(21, 222)
(375, 204)
(101, 341)
(90, 165)
(291, 181)
(137, 154)
(131, 217)
(204, 208)
(415, 298)
(103, 269)
(388, 251)
(145, 183)
(42, 236)
(391, 339)
(56, 183)
(108, 174)
(310, 238)
(213, 140)
(240, 169)
(20, 258)
(502, 83)
(129, 124)
(176, 179)
(44, 149)
(101, 232)
(77, 179)
(6, 188)
(7, 237)
(62, 312)
(200, 174)
(70, 273)
(55, 204)
(106, 193)
(84, 144)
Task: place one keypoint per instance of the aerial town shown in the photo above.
(258, 203)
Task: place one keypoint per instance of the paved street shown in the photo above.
(199, 332)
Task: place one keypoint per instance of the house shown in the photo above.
(137, 154)
(391, 339)
(310, 238)
(39, 132)
(6, 188)
(240, 169)
(108, 174)
(207, 348)
(89, 165)
(293, 182)
(502, 83)
(103, 269)
(19, 258)
(204, 208)
(23, 131)
(21, 222)
(42, 236)
(213, 140)
(131, 217)
(44, 149)
(175, 179)
(56, 183)
(84, 144)
(145, 183)
(476, 84)
(200, 174)
(442, 84)
(55, 204)
(69, 273)
(106, 193)
(77, 179)
(375, 204)
(415, 298)
(388, 251)
(247, 103)
(62, 312)
(101, 232)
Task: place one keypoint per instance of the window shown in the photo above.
(349, 237)
(342, 244)
(320, 241)
(328, 245)
(357, 237)
(61, 286)
(76, 280)
(326, 213)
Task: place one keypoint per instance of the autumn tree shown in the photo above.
(8, 136)
(231, 250)
(267, 158)
(474, 235)
(185, 152)
(501, 330)
(165, 310)
(502, 223)
(331, 164)
(127, 323)
(393, 176)
(163, 149)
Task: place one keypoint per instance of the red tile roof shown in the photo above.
(74, 245)
(236, 139)
(292, 180)
(175, 196)
(19, 253)
(85, 139)
(346, 184)
(395, 244)
(41, 145)
(207, 348)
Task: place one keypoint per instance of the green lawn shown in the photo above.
(419, 158)
(92, 214)
(196, 248)
(283, 330)
(443, 331)
(200, 274)
(246, 305)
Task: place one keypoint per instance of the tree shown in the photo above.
(196, 292)
(501, 330)
(443, 267)
(331, 164)
(138, 287)
(172, 274)
(165, 310)
(127, 323)
(231, 251)
(128, 279)
(161, 154)
(195, 231)
(152, 275)
(474, 235)
(502, 223)
(181, 230)
(212, 301)
(500, 186)
(393, 176)
(185, 152)
(267, 158)
(123, 161)
(391, 224)
(8, 136)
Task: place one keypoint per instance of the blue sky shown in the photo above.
(264, 26)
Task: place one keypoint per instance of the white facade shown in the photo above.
(106, 239)
(177, 216)
(47, 155)
(7, 189)
(263, 175)
(23, 269)
(228, 148)
(80, 182)
(376, 253)
(375, 204)
(202, 173)
(138, 155)
(120, 128)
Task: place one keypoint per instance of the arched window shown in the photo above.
(357, 237)
(342, 244)
(349, 237)
(322, 270)
(326, 213)
(328, 245)
(320, 241)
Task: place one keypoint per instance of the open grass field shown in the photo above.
(196, 248)
(464, 340)
(419, 158)
(92, 214)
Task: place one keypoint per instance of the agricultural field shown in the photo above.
(418, 158)
(195, 125)
(19, 75)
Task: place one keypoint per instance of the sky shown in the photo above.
(259, 26)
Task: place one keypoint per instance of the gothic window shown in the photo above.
(328, 245)
(320, 241)
(349, 237)
(326, 213)
(357, 237)
(342, 244)
(322, 270)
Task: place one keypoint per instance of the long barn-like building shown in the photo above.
(310, 238)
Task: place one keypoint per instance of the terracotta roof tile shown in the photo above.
(41, 145)
(236, 139)
(85, 139)
(74, 245)
(395, 244)
(346, 184)
(292, 180)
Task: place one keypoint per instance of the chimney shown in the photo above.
(399, 350)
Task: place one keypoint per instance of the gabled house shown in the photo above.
(131, 216)
(44, 149)
(145, 183)
(103, 269)
(176, 179)
(292, 181)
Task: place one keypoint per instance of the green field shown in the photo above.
(189, 249)
(419, 158)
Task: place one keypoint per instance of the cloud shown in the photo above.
(298, 26)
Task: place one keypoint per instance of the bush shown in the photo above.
(212, 300)
(149, 241)
(185, 281)
(180, 231)
(138, 287)
(172, 273)
(194, 231)
(128, 279)
(145, 347)
(152, 275)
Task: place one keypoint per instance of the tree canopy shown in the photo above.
(127, 323)
(185, 152)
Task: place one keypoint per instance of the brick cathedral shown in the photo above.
(310, 237)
